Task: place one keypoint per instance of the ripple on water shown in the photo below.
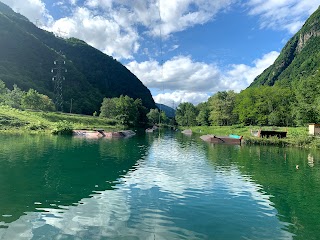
(173, 192)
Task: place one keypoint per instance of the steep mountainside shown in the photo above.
(28, 53)
(300, 58)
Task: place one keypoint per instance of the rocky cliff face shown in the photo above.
(305, 37)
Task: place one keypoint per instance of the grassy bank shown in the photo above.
(296, 136)
(14, 120)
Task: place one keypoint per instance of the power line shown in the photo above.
(161, 55)
(58, 79)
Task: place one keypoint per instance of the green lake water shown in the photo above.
(155, 187)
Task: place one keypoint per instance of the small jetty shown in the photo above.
(100, 133)
(231, 139)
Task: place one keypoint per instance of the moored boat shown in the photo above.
(231, 139)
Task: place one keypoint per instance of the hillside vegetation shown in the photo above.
(15, 120)
(298, 60)
(28, 54)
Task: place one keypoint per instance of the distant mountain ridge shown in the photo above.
(169, 111)
(27, 54)
(299, 59)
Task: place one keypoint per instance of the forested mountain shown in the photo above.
(299, 59)
(27, 55)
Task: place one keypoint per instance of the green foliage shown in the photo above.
(25, 120)
(37, 126)
(299, 59)
(265, 106)
(203, 115)
(186, 114)
(307, 93)
(221, 107)
(154, 116)
(11, 122)
(126, 110)
(142, 116)
(108, 108)
(3, 88)
(14, 97)
(27, 56)
(63, 128)
(36, 101)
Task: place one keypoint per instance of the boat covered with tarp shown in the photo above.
(231, 139)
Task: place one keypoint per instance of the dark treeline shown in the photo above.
(263, 106)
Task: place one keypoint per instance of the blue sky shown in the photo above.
(207, 46)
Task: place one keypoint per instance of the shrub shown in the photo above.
(63, 128)
(36, 126)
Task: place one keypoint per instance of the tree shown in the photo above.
(14, 97)
(126, 110)
(153, 116)
(163, 117)
(142, 111)
(203, 115)
(108, 108)
(265, 105)
(36, 101)
(186, 114)
(3, 91)
(306, 108)
(221, 107)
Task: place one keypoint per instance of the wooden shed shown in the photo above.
(269, 133)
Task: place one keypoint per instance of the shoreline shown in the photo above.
(297, 136)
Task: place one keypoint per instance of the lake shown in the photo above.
(155, 186)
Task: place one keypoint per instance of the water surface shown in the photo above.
(155, 187)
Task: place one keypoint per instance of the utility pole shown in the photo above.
(71, 105)
(57, 79)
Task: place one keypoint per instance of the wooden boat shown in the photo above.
(100, 133)
(231, 139)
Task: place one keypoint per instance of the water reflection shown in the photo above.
(178, 189)
(45, 171)
(310, 160)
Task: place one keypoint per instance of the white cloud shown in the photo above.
(187, 80)
(100, 32)
(175, 98)
(179, 73)
(112, 26)
(239, 76)
(176, 15)
(181, 14)
(73, 2)
(282, 14)
(34, 10)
